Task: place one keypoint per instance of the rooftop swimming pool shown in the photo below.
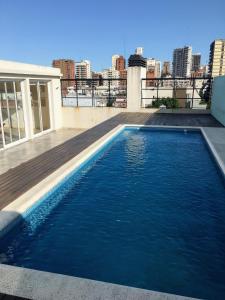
(148, 210)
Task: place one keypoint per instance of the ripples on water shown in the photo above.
(149, 212)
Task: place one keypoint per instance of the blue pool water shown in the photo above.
(148, 211)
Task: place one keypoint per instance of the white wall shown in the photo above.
(218, 99)
(10, 70)
(87, 117)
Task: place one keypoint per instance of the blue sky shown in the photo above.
(39, 31)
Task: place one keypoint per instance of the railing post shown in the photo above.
(76, 91)
(157, 82)
(92, 93)
(174, 89)
(193, 92)
(109, 100)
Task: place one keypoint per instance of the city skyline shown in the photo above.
(122, 28)
(194, 65)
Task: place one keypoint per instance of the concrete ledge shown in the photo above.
(178, 111)
(215, 139)
(34, 284)
(18, 68)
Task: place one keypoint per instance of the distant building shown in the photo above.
(139, 51)
(158, 68)
(98, 77)
(154, 65)
(67, 68)
(120, 63)
(150, 63)
(202, 71)
(182, 58)
(196, 62)
(217, 58)
(166, 69)
(111, 74)
(150, 74)
(83, 69)
(123, 75)
(206, 70)
(114, 58)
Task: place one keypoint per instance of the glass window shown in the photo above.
(2, 97)
(35, 107)
(44, 106)
(20, 109)
(11, 112)
(40, 105)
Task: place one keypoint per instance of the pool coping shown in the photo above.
(33, 284)
(9, 216)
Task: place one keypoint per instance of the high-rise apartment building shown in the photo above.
(182, 59)
(98, 78)
(123, 75)
(158, 68)
(83, 69)
(67, 67)
(150, 74)
(120, 63)
(217, 58)
(196, 62)
(166, 69)
(114, 58)
(110, 73)
(154, 65)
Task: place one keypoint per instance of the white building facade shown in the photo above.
(83, 69)
(27, 109)
(111, 74)
(153, 64)
(114, 58)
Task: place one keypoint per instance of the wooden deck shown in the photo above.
(8, 297)
(20, 179)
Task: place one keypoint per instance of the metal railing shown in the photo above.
(100, 92)
(193, 92)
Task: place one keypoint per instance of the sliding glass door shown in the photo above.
(12, 126)
(40, 106)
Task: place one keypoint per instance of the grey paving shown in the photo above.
(217, 138)
(34, 284)
(20, 179)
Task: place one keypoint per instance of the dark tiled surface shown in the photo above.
(20, 179)
(8, 297)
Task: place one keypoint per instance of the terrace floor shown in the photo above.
(17, 155)
(25, 165)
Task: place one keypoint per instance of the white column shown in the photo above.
(134, 76)
(27, 108)
(56, 105)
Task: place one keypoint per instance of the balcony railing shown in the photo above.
(194, 92)
(101, 92)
